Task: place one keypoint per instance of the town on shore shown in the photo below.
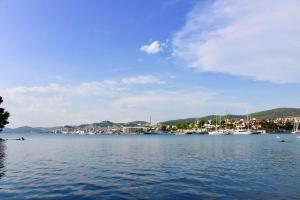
(217, 126)
(279, 120)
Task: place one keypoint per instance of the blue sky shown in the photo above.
(71, 62)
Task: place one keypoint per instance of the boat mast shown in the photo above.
(295, 125)
(216, 122)
(248, 121)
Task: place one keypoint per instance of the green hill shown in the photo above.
(137, 123)
(109, 123)
(276, 113)
(99, 124)
(267, 114)
(25, 129)
(195, 119)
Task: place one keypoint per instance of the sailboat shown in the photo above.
(226, 130)
(220, 131)
(244, 131)
(216, 131)
(296, 127)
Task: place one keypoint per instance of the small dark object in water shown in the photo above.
(22, 138)
(282, 141)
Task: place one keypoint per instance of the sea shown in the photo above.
(74, 167)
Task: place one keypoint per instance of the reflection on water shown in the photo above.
(150, 167)
(2, 158)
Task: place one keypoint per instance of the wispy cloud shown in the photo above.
(258, 39)
(165, 105)
(144, 79)
(106, 87)
(153, 48)
(55, 104)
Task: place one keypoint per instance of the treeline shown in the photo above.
(268, 125)
(4, 115)
(271, 126)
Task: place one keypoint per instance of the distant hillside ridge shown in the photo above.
(109, 123)
(25, 129)
(28, 129)
(277, 113)
(267, 114)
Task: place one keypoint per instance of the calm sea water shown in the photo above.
(150, 167)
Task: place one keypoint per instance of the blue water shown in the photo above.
(150, 167)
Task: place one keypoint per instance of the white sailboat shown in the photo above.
(216, 131)
(244, 131)
(227, 131)
(219, 131)
(296, 126)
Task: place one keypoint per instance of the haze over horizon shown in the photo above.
(72, 62)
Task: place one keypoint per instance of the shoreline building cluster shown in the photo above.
(254, 125)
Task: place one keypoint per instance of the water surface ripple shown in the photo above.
(150, 167)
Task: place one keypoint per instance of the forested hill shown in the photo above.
(28, 129)
(267, 114)
(277, 112)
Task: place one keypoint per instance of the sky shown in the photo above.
(84, 61)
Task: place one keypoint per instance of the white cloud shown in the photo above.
(56, 104)
(144, 79)
(153, 48)
(165, 105)
(88, 102)
(106, 87)
(258, 39)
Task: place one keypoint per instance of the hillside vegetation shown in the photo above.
(267, 114)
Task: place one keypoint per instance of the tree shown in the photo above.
(4, 115)
(163, 127)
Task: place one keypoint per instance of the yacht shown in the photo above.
(242, 132)
(215, 133)
(228, 132)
